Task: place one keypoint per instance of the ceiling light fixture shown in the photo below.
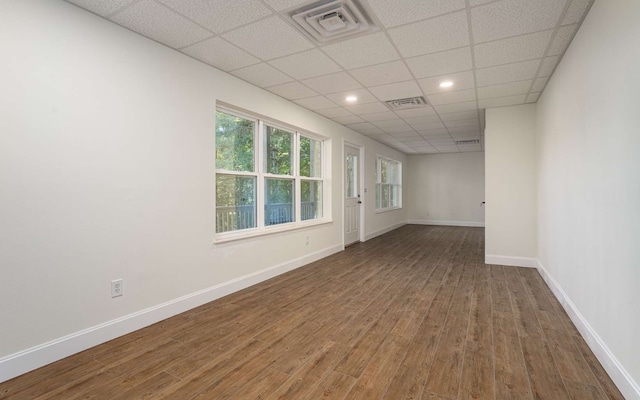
(446, 84)
(351, 99)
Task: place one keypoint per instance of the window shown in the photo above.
(268, 177)
(388, 184)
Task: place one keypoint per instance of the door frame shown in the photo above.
(361, 188)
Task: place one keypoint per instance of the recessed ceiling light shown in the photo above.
(446, 84)
(351, 99)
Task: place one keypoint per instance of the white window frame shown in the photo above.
(379, 183)
(260, 174)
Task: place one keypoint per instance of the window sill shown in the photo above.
(235, 236)
(383, 210)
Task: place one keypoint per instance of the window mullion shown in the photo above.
(260, 170)
(296, 173)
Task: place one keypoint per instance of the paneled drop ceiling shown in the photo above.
(496, 53)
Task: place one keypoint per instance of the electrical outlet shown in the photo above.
(117, 288)
(306, 240)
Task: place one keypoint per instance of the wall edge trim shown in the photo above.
(511, 261)
(382, 231)
(446, 223)
(38, 356)
(629, 388)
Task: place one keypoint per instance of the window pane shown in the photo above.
(352, 173)
(279, 201)
(234, 143)
(385, 196)
(310, 157)
(393, 196)
(278, 151)
(392, 172)
(311, 194)
(383, 171)
(235, 202)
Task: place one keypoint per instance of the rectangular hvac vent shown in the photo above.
(471, 141)
(328, 20)
(404, 104)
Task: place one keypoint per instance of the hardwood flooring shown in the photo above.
(413, 314)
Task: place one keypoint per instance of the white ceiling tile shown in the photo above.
(292, 90)
(447, 149)
(442, 142)
(352, 119)
(415, 112)
(513, 49)
(262, 75)
(452, 97)
(398, 130)
(514, 17)
(456, 107)
(474, 3)
(461, 131)
(380, 116)
(539, 84)
(576, 11)
(306, 64)
(375, 133)
(562, 39)
(394, 91)
(315, 103)
(363, 96)
(533, 97)
(220, 15)
(406, 134)
(459, 116)
(474, 123)
(502, 101)
(333, 83)
(362, 51)
(426, 119)
(393, 123)
(334, 112)
(370, 108)
(280, 5)
(220, 54)
(431, 137)
(392, 13)
(548, 65)
(436, 34)
(505, 89)
(461, 80)
(382, 74)
(431, 126)
(362, 125)
(507, 73)
(102, 7)
(160, 23)
(268, 38)
(445, 62)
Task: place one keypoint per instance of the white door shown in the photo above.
(352, 195)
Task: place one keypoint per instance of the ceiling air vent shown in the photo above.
(404, 104)
(330, 20)
(471, 141)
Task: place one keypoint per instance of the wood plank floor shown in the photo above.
(413, 314)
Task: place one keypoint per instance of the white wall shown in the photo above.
(588, 131)
(446, 189)
(510, 165)
(106, 172)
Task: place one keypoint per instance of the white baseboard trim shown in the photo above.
(629, 388)
(27, 360)
(384, 230)
(446, 223)
(510, 261)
